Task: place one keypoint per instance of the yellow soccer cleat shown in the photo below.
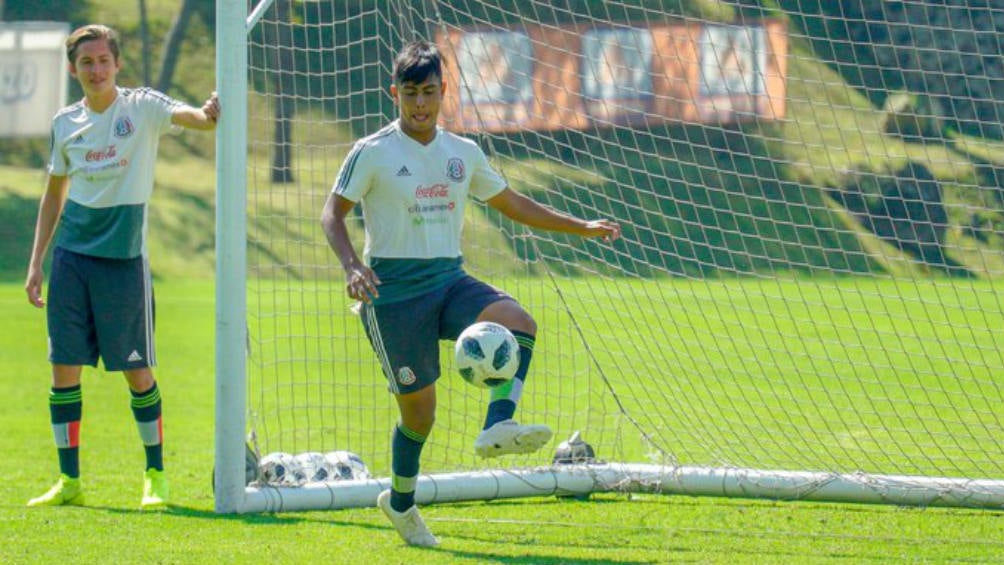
(155, 489)
(66, 492)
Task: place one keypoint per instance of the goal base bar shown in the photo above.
(571, 480)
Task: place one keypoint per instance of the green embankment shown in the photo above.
(710, 202)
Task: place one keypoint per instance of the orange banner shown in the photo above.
(546, 78)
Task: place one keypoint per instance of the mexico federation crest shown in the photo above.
(455, 169)
(406, 376)
(123, 127)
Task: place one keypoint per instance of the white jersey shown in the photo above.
(109, 158)
(413, 195)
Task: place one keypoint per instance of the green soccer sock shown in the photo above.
(406, 450)
(146, 408)
(65, 412)
(504, 398)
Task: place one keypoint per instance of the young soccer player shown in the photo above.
(100, 299)
(413, 179)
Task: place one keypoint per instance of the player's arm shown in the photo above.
(360, 281)
(528, 211)
(203, 118)
(49, 209)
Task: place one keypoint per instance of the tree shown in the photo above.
(279, 39)
(144, 32)
(50, 10)
(172, 44)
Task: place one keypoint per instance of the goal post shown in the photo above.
(231, 256)
(807, 302)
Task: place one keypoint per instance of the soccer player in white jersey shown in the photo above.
(100, 299)
(412, 180)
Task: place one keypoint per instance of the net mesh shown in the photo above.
(811, 198)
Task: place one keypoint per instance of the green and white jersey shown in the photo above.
(109, 158)
(412, 197)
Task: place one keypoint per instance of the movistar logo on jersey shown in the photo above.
(123, 127)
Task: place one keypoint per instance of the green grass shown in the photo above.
(830, 128)
(847, 374)
(612, 528)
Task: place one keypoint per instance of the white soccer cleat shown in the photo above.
(509, 437)
(409, 524)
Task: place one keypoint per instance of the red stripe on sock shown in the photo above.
(73, 433)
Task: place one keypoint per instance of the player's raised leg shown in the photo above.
(501, 435)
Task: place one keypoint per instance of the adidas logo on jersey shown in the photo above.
(403, 171)
(134, 357)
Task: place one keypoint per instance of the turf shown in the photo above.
(611, 528)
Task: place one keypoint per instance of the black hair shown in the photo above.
(417, 62)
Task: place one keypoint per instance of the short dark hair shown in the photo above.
(91, 32)
(416, 62)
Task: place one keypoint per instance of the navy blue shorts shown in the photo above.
(98, 307)
(405, 335)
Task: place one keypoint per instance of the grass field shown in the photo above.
(614, 528)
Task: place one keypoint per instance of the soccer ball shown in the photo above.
(252, 472)
(315, 466)
(346, 466)
(574, 450)
(487, 354)
(281, 469)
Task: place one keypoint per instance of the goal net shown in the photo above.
(808, 298)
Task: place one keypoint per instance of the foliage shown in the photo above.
(73, 11)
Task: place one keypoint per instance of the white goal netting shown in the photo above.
(811, 276)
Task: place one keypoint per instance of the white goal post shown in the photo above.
(807, 303)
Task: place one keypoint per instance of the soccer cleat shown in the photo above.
(155, 489)
(409, 524)
(509, 437)
(66, 492)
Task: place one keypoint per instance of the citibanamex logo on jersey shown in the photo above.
(455, 169)
(406, 376)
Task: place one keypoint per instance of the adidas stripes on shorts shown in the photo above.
(99, 307)
(405, 335)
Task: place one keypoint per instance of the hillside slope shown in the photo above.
(752, 199)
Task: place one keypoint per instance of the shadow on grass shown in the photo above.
(537, 559)
(537, 555)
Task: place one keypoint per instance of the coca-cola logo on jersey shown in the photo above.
(439, 190)
(101, 154)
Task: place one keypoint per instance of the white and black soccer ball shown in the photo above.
(346, 466)
(487, 354)
(252, 471)
(574, 450)
(281, 469)
(315, 466)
